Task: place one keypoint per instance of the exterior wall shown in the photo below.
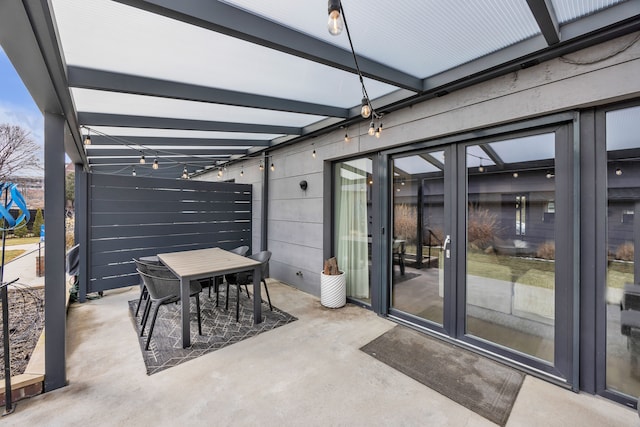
(295, 225)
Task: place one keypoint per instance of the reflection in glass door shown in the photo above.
(510, 247)
(623, 231)
(417, 283)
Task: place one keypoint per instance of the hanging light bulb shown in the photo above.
(314, 154)
(87, 139)
(185, 173)
(379, 131)
(480, 168)
(133, 172)
(336, 23)
(273, 168)
(515, 174)
(155, 163)
(372, 129)
(365, 111)
(242, 171)
(220, 173)
(346, 137)
(618, 171)
(142, 160)
(261, 166)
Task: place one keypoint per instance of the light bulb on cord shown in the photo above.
(87, 140)
(314, 154)
(261, 166)
(185, 173)
(365, 111)
(156, 164)
(335, 23)
(379, 131)
(372, 129)
(242, 171)
(480, 168)
(346, 137)
(273, 168)
(142, 160)
(133, 172)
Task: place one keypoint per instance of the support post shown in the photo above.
(55, 292)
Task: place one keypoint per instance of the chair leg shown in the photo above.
(143, 295)
(210, 285)
(226, 303)
(268, 297)
(153, 323)
(145, 316)
(238, 303)
(246, 289)
(198, 311)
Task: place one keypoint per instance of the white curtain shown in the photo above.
(351, 225)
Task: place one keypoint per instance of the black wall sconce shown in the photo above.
(303, 185)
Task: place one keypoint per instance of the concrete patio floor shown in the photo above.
(307, 373)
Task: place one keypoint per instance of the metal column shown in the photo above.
(54, 279)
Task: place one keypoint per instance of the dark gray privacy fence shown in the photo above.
(137, 216)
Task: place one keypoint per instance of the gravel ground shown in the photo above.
(26, 320)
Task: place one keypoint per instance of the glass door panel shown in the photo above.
(353, 220)
(622, 288)
(418, 235)
(510, 244)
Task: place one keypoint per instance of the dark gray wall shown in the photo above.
(130, 217)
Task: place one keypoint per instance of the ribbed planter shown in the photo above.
(333, 290)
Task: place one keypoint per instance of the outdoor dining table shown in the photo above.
(205, 263)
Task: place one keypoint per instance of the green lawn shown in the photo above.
(23, 241)
(11, 254)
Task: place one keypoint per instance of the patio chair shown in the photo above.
(246, 278)
(214, 282)
(141, 264)
(164, 290)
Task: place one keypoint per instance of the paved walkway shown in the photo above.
(24, 267)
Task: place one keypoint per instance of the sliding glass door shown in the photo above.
(353, 182)
(482, 245)
(421, 224)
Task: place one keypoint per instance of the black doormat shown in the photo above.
(219, 329)
(482, 385)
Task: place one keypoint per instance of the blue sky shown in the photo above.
(16, 105)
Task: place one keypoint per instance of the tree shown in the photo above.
(37, 222)
(21, 230)
(18, 152)
(70, 187)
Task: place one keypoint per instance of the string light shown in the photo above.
(133, 172)
(142, 160)
(242, 171)
(336, 22)
(480, 168)
(87, 139)
(261, 166)
(156, 165)
(219, 172)
(372, 129)
(314, 154)
(185, 173)
(346, 137)
(618, 171)
(273, 168)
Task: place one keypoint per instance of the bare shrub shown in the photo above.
(405, 222)
(482, 227)
(625, 252)
(546, 250)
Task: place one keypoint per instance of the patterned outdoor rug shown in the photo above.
(219, 329)
(486, 387)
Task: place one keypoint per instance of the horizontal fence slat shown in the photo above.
(168, 218)
(132, 194)
(136, 230)
(139, 242)
(166, 205)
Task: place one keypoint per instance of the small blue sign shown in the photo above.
(42, 233)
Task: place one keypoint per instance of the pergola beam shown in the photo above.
(121, 120)
(184, 142)
(225, 19)
(125, 83)
(545, 16)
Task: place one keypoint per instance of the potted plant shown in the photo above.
(333, 285)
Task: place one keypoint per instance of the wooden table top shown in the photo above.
(208, 261)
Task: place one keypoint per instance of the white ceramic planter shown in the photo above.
(333, 290)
